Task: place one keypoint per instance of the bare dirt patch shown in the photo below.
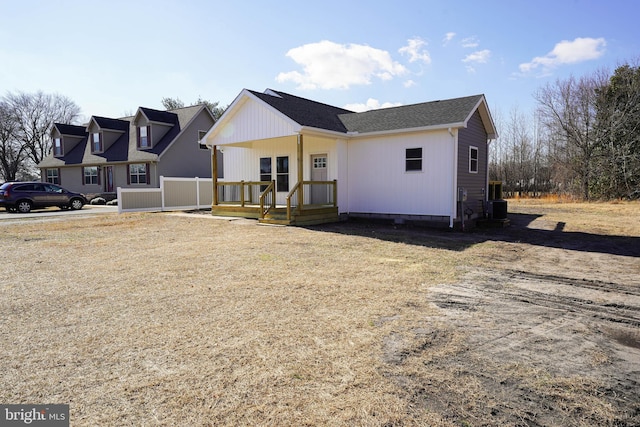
(160, 319)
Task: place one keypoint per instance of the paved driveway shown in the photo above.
(56, 212)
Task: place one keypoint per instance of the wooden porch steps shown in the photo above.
(312, 216)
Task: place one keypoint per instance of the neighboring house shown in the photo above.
(296, 161)
(129, 152)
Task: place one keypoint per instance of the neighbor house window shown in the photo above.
(138, 173)
(282, 173)
(473, 159)
(144, 137)
(201, 141)
(265, 171)
(91, 176)
(53, 176)
(413, 159)
(57, 147)
(96, 142)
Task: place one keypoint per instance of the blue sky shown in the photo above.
(112, 56)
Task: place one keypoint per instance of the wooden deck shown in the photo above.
(310, 215)
(256, 199)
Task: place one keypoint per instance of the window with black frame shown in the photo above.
(282, 173)
(413, 159)
(265, 171)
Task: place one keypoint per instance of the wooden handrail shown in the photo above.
(289, 196)
(271, 188)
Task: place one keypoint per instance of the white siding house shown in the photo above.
(328, 163)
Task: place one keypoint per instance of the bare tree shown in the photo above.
(11, 151)
(34, 114)
(568, 109)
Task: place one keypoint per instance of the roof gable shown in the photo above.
(109, 124)
(156, 116)
(305, 112)
(72, 130)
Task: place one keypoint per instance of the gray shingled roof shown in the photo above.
(108, 123)
(65, 129)
(159, 116)
(422, 115)
(310, 113)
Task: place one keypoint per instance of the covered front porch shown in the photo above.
(306, 201)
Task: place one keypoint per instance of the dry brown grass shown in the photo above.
(606, 218)
(160, 319)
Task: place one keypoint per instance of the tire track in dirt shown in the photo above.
(534, 347)
(608, 301)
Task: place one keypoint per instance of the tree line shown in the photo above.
(25, 123)
(583, 140)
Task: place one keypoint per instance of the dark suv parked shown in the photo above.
(24, 196)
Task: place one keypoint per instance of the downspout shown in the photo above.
(454, 213)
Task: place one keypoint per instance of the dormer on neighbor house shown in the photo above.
(151, 125)
(65, 137)
(103, 132)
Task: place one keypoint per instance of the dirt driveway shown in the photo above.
(166, 319)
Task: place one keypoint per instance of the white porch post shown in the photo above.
(300, 172)
(214, 176)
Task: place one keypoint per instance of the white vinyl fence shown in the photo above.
(174, 194)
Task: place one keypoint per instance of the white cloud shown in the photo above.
(448, 37)
(409, 83)
(371, 104)
(329, 65)
(415, 51)
(567, 52)
(470, 42)
(479, 57)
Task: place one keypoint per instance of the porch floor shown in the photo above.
(311, 214)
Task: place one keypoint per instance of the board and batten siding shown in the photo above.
(473, 135)
(243, 163)
(379, 184)
(254, 121)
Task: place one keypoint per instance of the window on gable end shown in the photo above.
(201, 142)
(57, 147)
(473, 159)
(96, 142)
(413, 159)
(144, 136)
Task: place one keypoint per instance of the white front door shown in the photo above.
(319, 193)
